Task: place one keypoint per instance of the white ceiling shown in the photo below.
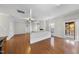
(39, 11)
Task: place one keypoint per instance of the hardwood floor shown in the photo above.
(71, 47)
(44, 47)
(20, 44)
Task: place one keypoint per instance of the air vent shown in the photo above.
(21, 11)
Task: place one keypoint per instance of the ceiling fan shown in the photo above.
(28, 19)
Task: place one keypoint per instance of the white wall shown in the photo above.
(60, 23)
(11, 30)
(6, 26)
(9, 27)
(20, 27)
(58, 26)
(3, 25)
